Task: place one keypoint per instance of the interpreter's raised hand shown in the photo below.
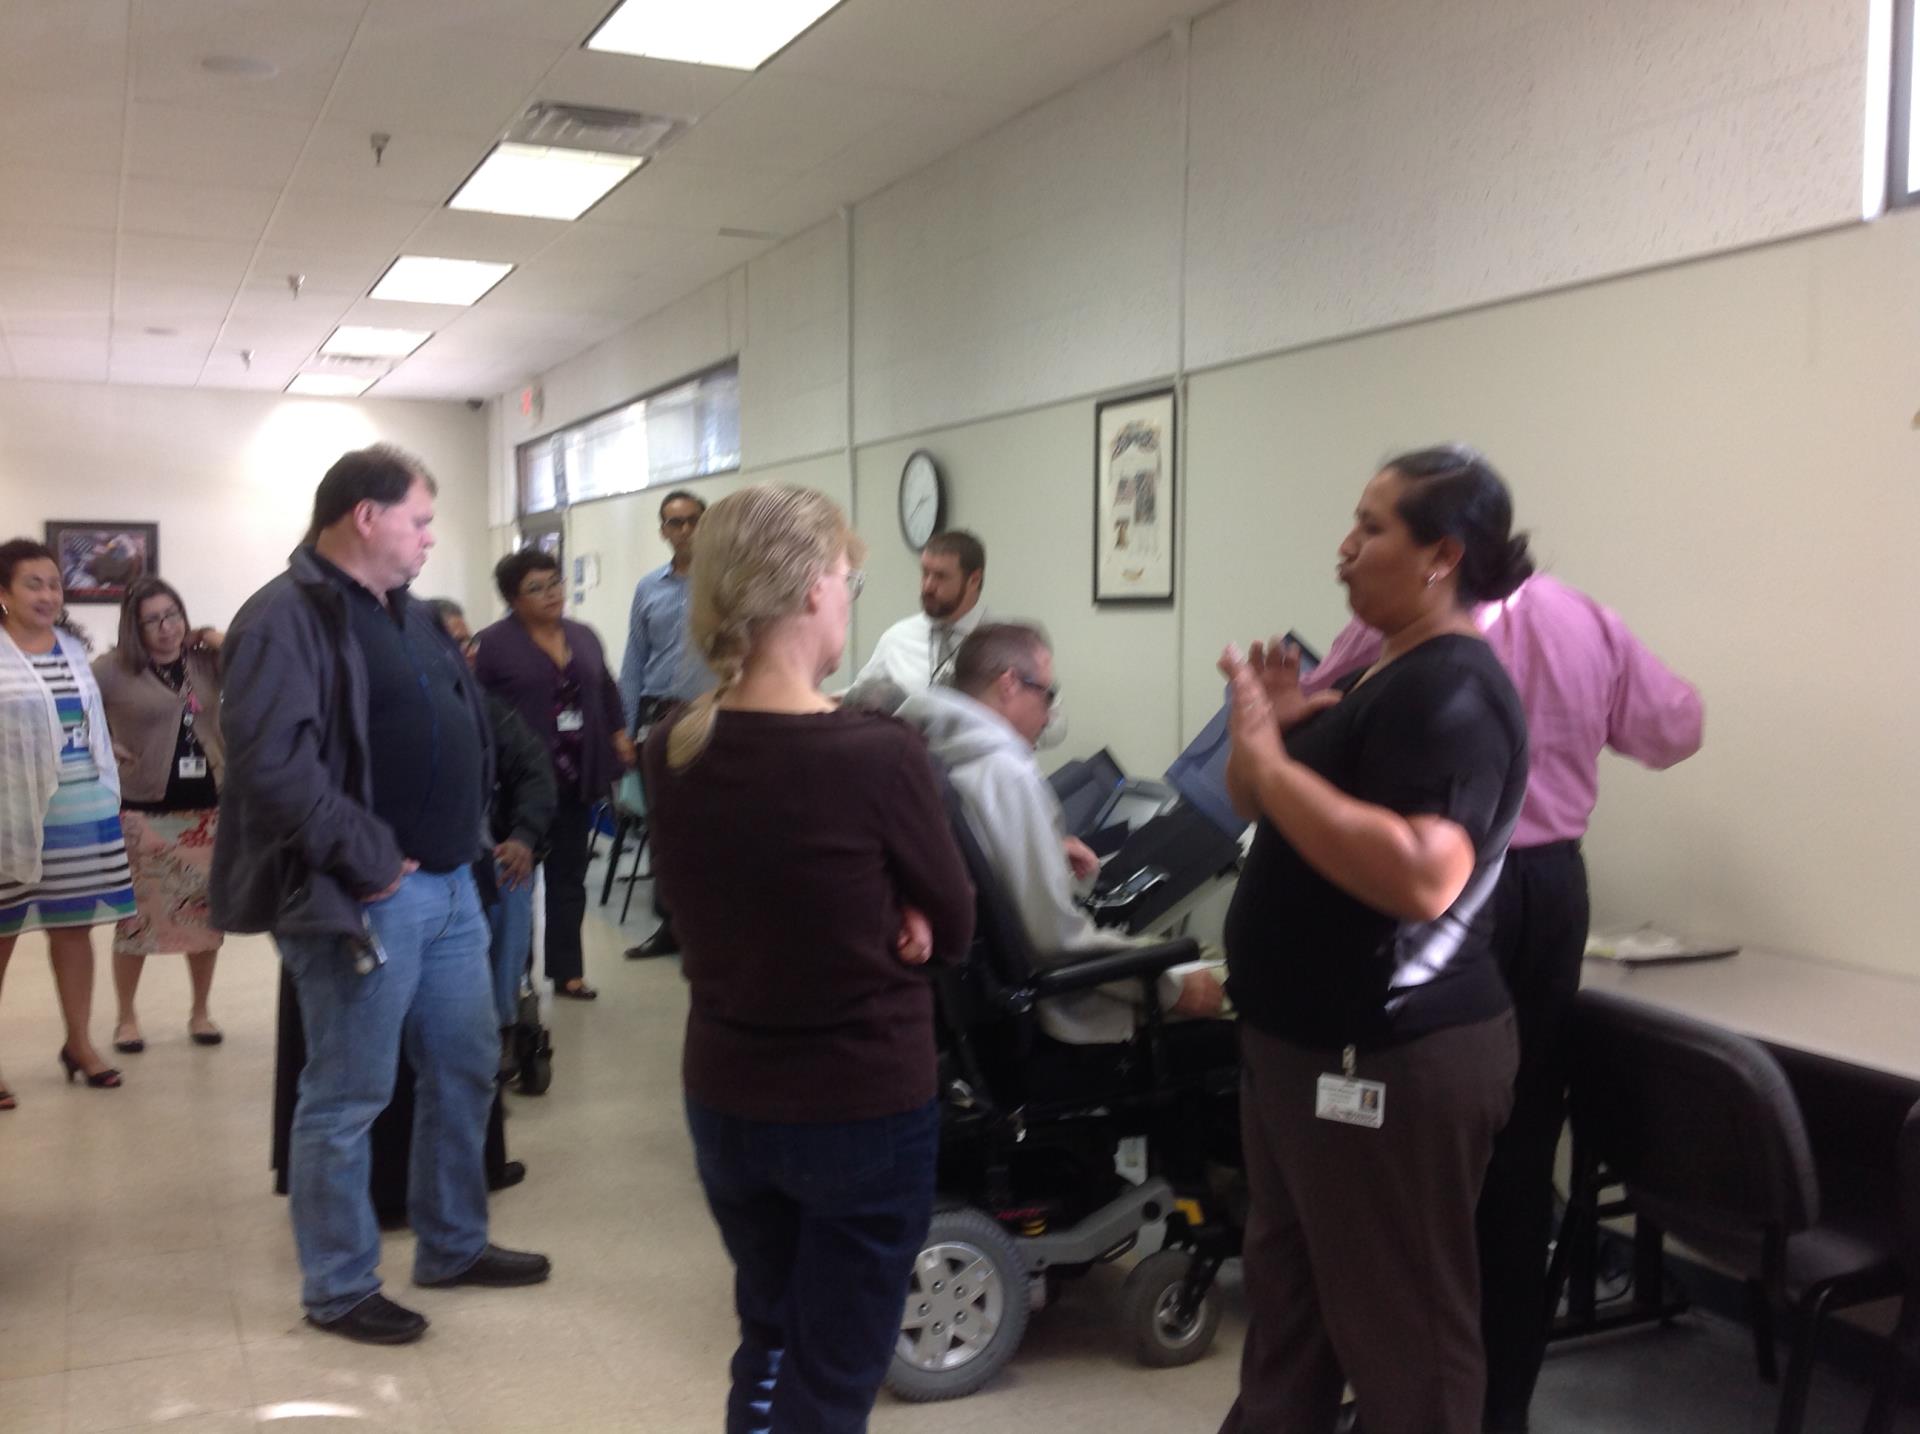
(205, 639)
(914, 944)
(407, 868)
(1251, 724)
(1276, 663)
(1200, 996)
(515, 860)
(1081, 859)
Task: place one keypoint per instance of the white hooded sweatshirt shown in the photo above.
(1016, 819)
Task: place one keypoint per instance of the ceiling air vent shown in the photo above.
(601, 130)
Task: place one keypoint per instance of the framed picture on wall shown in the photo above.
(1133, 498)
(99, 559)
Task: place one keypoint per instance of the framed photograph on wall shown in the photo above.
(1133, 498)
(99, 559)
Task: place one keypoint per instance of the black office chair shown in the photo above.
(1701, 1127)
(1904, 1363)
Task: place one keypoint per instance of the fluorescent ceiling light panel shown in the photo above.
(733, 34)
(362, 341)
(420, 279)
(331, 385)
(542, 182)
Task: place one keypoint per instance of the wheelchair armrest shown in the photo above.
(1143, 961)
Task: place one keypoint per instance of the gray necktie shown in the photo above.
(943, 647)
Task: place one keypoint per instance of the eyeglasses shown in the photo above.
(161, 619)
(538, 589)
(856, 582)
(692, 522)
(1033, 684)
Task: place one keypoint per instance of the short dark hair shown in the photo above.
(959, 543)
(16, 551)
(445, 609)
(381, 474)
(996, 647)
(131, 649)
(1453, 492)
(511, 571)
(680, 495)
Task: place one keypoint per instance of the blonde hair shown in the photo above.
(756, 554)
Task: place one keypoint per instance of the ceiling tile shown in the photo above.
(64, 44)
(541, 290)
(84, 360)
(790, 124)
(160, 303)
(306, 42)
(570, 21)
(198, 211)
(385, 314)
(55, 249)
(911, 44)
(60, 196)
(347, 226)
(90, 326)
(630, 82)
(70, 129)
(214, 146)
(327, 272)
(158, 353)
(29, 289)
(676, 193)
(150, 376)
(130, 334)
(462, 234)
(171, 259)
(417, 164)
(452, 82)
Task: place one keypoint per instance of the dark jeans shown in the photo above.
(1539, 934)
(823, 1223)
(566, 869)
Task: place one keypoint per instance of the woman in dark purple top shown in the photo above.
(553, 672)
(807, 859)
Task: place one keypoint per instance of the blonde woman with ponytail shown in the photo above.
(805, 854)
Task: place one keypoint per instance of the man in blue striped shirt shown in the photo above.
(658, 670)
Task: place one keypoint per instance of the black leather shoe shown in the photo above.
(511, 1174)
(662, 943)
(376, 1320)
(498, 1267)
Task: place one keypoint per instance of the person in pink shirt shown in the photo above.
(1586, 683)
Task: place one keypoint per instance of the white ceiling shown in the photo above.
(138, 191)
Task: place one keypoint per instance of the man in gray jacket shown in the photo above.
(982, 730)
(358, 769)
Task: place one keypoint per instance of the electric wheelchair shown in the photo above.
(1031, 1130)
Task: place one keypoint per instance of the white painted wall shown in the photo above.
(1357, 163)
(1038, 263)
(1722, 452)
(793, 368)
(228, 476)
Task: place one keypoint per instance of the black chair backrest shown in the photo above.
(1698, 1122)
(1909, 1165)
(999, 936)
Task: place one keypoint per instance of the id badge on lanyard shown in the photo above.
(1349, 1100)
(569, 719)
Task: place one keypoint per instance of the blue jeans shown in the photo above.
(432, 995)
(511, 918)
(823, 1223)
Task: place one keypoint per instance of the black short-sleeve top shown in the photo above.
(1439, 732)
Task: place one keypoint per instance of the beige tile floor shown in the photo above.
(147, 1277)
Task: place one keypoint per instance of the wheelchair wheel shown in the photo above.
(966, 1309)
(1149, 1310)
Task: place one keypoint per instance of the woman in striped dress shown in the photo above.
(63, 861)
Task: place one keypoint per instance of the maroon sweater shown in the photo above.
(785, 853)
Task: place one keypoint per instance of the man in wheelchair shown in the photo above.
(983, 732)
(1061, 1040)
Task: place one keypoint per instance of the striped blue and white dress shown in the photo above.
(84, 880)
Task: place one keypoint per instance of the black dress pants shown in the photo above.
(1539, 935)
(566, 868)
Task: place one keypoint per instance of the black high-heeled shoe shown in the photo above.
(108, 1079)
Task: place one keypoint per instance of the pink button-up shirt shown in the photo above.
(1585, 682)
